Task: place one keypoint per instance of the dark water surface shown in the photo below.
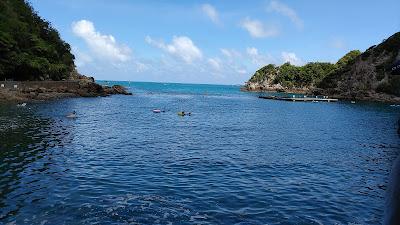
(237, 160)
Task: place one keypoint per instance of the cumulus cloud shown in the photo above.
(257, 29)
(259, 59)
(291, 58)
(285, 10)
(181, 47)
(211, 13)
(104, 46)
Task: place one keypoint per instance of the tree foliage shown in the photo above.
(311, 74)
(30, 48)
(262, 73)
(348, 58)
(293, 76)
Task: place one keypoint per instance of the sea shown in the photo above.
(237, 159)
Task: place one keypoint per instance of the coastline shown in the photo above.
(31, 91)
(365, 96)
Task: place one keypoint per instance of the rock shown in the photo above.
(77, 85)
(116, 89)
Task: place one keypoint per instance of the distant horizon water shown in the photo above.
(166, 82)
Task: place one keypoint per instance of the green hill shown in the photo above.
(30, 48)
(368, 74)
(288, 77)
(371, 75)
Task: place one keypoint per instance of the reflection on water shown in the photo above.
(236, 160)
(28, 146)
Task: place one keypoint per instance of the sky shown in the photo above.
(213, 42)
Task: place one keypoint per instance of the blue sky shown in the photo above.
(222, 42)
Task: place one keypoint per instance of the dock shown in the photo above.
(300, 99)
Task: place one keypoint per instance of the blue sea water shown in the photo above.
(237, 160)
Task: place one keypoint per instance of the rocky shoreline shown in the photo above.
(372, 75)
(364, 96)
(29, 91)
(257, 87)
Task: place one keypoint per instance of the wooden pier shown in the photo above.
(300, 99)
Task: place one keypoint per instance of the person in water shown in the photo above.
(184, 114)
(72, 115)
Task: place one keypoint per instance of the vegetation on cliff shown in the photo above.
(30, 48)
(367, 75)
(309, 75)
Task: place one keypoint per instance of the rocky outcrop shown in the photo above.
(373, 75)
(47, 90)
(116, 90)
(268, 87)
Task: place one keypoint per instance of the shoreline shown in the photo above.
(38, 91)
(371, 97)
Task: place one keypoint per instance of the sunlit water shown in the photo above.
(237, 160)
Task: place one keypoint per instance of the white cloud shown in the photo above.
(215, 63)
(104, 46)
(285, 10)
(81, 58)
(141, 67)
(181, 47)
(291, 58)
(241, 71)
(259, 59)
(230, 53)
(211, 13)
(257, 29)
(252, 51)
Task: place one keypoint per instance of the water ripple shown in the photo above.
(236, 160)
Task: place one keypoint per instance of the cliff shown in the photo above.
(371, 75)
(35, 63)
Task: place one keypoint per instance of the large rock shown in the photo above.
(117, 89)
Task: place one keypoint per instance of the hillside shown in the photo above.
(290, 78)
(371, 75)
(30, 48)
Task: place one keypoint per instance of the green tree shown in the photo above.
(30, 48)
(348, 58)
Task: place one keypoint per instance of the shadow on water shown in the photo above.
(28, 146)
(392, 211)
